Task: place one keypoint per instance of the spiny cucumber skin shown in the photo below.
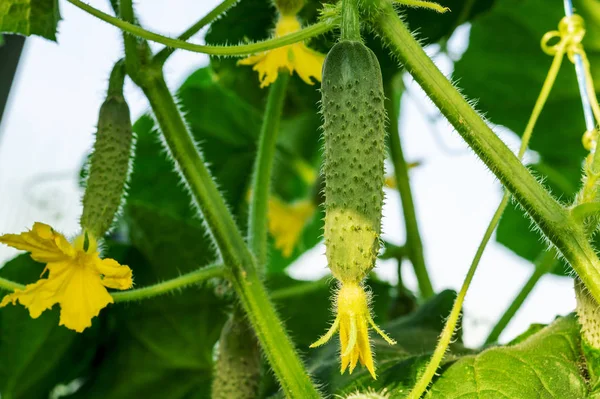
(354, 128)
(109, 167)
(237, 371)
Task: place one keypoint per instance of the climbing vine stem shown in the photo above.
(246, 49)
(263, 167)
(202, 274)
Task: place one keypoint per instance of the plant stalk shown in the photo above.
(263, 167)
(350, 26)
(241, 50)
(202, 274)
(414, 244)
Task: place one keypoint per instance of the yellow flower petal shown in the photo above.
(353, 320)
(81, 298)
(45, 244)
(113, 274)
(77, 281)
(287, 221)
(308, 63)
(295, 57)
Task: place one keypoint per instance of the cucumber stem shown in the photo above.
(350, 26)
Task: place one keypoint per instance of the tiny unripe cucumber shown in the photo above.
(237, 371)
(109, 166)
(354, 126)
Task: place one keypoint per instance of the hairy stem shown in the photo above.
(276, 344)
(132, 61)
(241, 50)
(161, 57)
(263, 167)
(204, 273)
(544, 265)
(553, 219)
(414, 245)
(350, 26)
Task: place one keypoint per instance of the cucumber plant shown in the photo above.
(279, 145)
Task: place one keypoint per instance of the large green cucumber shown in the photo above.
(354, 126)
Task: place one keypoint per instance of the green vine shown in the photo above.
(261, 182)
(247, 49)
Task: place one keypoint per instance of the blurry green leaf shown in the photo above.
(506, 92)
(545, 365)
(397, 366)
(173, 246)
(30, 17)
(37, 354)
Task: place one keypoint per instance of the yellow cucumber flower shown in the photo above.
(295, 57)
(352, 321)
(77, 276)
(286, 222)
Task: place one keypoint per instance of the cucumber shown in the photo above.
(109, 166)
(354, 135)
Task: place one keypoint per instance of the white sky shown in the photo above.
(50, 120)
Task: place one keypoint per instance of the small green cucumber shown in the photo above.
(237, 370)
(109, 166)
(354, 129)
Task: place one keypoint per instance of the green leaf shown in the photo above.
(545, 365)
(507, 90)
(30, 17)
(37, 354)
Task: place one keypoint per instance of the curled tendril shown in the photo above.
(570, 33)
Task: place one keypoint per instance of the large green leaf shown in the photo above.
(37, 354)
(545, 365)
(30, 17)
(506, 91)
